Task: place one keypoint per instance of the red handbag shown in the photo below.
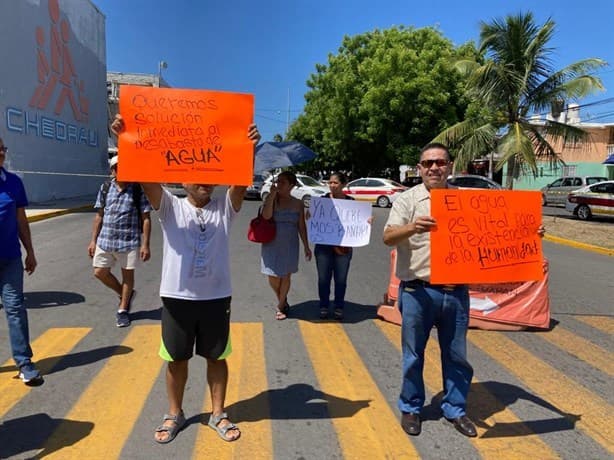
(261, 230)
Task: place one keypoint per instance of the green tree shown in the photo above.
(381, 98)
(517, 81)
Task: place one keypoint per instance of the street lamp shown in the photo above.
(161, 65)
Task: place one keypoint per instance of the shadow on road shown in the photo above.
(25, 434)
(45, 299)
(299, 401)
(47, 366)
(352, 313)
(140, 315)
(489, 398)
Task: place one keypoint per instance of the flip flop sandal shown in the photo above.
(338, 314)
(280, 315)
(323, 313)
(178, 423)
(214, 422)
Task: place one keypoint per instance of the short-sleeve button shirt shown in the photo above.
(121, 227)
(414, 253)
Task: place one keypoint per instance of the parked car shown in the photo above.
(592, 200)
(305, 188)
(381, 192)
(253, 191)
(557, 191)
(411, 181)
(473, 181)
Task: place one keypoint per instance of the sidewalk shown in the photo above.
(40, 211)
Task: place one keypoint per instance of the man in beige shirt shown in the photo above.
(424, 305)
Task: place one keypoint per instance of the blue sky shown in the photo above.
(270, 48)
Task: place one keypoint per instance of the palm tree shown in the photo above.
(515, 82)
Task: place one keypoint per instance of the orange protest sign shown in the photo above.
(185, 136)
(485, 236)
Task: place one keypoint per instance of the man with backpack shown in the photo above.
(121, 231)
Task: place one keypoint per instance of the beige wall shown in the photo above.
(594, 151)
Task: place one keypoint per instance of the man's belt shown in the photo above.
(419, 282)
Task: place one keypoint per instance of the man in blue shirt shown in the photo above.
(123, 214)
(13, 228)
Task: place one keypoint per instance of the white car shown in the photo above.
(381, 192)
(592, 200)
(305, 188)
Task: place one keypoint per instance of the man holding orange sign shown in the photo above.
(195, 284)
(424, 305)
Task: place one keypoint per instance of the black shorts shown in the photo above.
(204, 323)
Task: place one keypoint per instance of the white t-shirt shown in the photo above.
(195, 257)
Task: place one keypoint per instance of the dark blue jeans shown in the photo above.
(331, 265)
(11, 290)
(422, 307)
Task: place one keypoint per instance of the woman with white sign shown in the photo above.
(279, 258)
(333, 261)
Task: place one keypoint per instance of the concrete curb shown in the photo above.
(57, 212)
(578, 245)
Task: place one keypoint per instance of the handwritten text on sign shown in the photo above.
(339, 222)
(185, 136)
(485, 236)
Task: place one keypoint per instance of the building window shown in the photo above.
(569, 170)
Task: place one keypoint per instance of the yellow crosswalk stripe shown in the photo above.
(247, 381)
(594, 415)
(48, 349)
(522, 443)
(343, 376)
(603, 323)
(112, 401)
(582, 348)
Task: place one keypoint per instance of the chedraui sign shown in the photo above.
(53, 95)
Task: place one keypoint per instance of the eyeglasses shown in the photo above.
(440, 162)
(4, 149)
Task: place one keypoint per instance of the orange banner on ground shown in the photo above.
(185, 136)
(485, 236)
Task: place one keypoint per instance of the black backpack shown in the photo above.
(137, 193)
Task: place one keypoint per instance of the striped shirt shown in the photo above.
(121, 227)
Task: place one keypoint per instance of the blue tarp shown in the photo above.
(609, 160)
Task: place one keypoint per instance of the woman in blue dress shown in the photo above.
(279, 258)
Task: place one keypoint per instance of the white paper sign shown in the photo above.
(339, 222)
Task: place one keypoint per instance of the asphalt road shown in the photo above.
(300, 388)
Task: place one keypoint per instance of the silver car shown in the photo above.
(556, 192)
(253, 191)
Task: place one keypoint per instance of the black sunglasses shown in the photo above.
(440, 162)
(4, 149)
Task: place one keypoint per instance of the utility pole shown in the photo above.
(288, 115)
(161, 65)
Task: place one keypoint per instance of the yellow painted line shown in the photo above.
(603, 323)
(578, 245)
(365, 424)
(582, 348)
(247, 380)
(112, 402)
(36, 216)
(594, 414)
(48, 349)
(518, 441)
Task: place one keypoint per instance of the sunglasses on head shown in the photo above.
(440, 162)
